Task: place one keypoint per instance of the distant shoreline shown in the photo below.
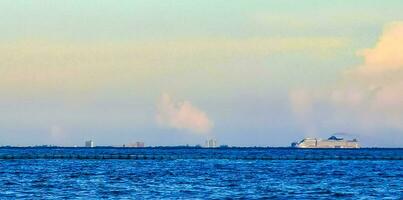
(187, 147)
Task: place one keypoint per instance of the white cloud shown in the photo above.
(182, 115)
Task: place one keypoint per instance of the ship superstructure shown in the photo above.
(331, 142)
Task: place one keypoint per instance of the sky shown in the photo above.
(176, 72)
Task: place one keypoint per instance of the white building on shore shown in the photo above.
(211, 143)
(135, 145)
(89, 144)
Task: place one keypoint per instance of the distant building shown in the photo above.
(89, 143)
(331, 142)
(211, 143)
(135, 145)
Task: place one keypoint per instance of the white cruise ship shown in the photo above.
(331, 142)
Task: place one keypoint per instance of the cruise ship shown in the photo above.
(331, 142)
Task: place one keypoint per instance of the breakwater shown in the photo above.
(173, 157)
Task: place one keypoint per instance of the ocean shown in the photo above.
(196, 173)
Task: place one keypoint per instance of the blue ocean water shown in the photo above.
(186, 173)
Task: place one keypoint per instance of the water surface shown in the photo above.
(203, 174)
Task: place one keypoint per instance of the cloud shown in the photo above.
(57, 134)
(302, 106)
(368, 98)
(42, 66)
(182, 115)
(386, 56)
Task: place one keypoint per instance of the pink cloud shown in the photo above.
(386, 56)
(182, 115)
(369, 96)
